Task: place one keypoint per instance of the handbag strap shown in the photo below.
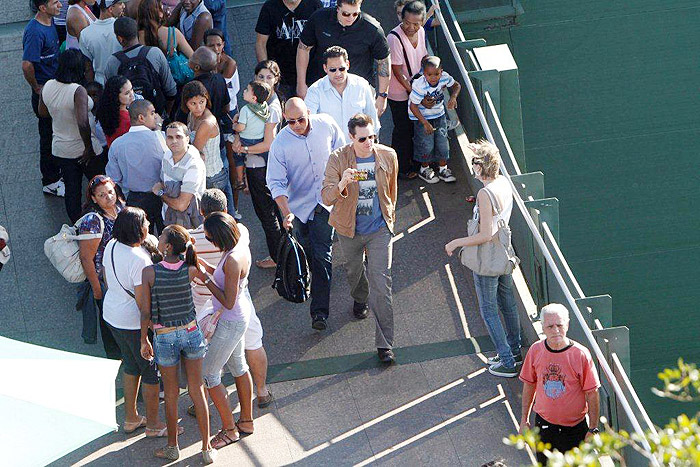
(89, 236)
(171, 47)
(496, 205)
(114, 245)
(405, 57)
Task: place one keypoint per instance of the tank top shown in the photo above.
(66, 141)
(501, 190)
(187, 21)
(244, 303)
(72, 41)
(212, 154)
(171, 295)
(233, 84)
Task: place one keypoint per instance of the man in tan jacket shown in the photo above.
(360, 184)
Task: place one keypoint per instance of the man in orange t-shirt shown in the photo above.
(559, 375)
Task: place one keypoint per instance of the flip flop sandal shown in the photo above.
(223, 437)
(241, 431)
(130, 427)
(162, 433)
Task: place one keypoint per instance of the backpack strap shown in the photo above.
(405, 57)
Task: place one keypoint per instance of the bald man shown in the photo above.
(296, 168)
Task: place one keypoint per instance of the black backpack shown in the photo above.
(292, 277)
(143, 76)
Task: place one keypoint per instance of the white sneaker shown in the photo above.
(427, 174)
(445, 174)
(55, 189)
(237, 215)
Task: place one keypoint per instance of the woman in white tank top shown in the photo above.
(494, 292)
(78, 18)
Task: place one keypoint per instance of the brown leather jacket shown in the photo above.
(342, 217)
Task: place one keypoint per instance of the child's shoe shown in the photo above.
(445, 174)
(427, 174)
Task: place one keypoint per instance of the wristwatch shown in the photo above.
(594, 431)
(383, 94)
(160, 193)
(245, 148)
(207, 281)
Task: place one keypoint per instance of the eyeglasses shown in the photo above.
(333, 70)
(476, 161)
(299, 120)
(348, 15)
(98, 180)
(362, 139)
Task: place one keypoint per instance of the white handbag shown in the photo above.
(63, 250)
(495, 257)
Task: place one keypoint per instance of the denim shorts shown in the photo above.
(170, 346)
(226, 348)
(434, 147)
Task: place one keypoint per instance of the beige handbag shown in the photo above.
(495, 257)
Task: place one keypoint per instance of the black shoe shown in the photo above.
(386, 355)
(360, 310)
(319, 323)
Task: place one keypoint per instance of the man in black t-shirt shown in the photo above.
(279, 27)
(358, 33)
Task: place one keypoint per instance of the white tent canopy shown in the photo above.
(52, 402)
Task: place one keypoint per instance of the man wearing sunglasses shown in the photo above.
(361, 185)
(355, 31)
(296, 166)
(341, 94)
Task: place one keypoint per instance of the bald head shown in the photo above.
(297, 114)
(203, 59)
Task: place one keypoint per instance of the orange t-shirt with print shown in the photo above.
(562, 377)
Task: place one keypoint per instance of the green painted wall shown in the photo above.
(610, 113)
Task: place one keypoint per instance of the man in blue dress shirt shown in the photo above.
(295, 171)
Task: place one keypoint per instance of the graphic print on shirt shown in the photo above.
(290, 32)
(368, 190)
(554, 382)
(435, 96)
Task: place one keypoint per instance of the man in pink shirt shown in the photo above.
(407, 45)
(559, 375)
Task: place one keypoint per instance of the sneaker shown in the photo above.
(319, 323)
(497, 359)
(445, 174)
(501, 370)
(427, 174)
(55, 189)
(237, 215)
(452, 124)
(386, 355)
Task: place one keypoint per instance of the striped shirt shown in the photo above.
(422, 89)
(171, 295)
(190, 170)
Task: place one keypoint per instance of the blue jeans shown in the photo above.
(433, 147)
(223, 183)
(316, 237)
(494, 293)
(226, 348)
(217, 8)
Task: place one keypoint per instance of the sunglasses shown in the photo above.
(98, 180)
(299, 120)
(362, 139)
(476, 161)
(348, 15)
(333, 70)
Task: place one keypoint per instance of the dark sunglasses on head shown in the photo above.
(333, 70)
(98, 180)
(362, 139)
(295, 121)
(347, 15)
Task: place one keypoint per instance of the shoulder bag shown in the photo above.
(495, 257)
(63, 250)
(179, 64)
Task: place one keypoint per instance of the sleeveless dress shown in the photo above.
(212, 154)
(72, 41)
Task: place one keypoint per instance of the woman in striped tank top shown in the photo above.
(165, 301)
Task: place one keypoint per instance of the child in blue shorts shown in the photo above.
(427, 110)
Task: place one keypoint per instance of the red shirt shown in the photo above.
(124, 125)
(562, 377)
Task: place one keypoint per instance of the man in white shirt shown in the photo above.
(98, 41)
(214, 200)
(340, 93)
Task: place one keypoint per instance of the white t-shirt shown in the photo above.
(119, 308)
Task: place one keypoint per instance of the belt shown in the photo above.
(191, 326)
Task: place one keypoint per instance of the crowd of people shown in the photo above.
(141, 98)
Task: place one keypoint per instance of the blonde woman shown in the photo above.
(494, 292)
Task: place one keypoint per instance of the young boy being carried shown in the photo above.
(250, 121)
(427, 110)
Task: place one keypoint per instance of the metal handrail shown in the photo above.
(607, 370)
